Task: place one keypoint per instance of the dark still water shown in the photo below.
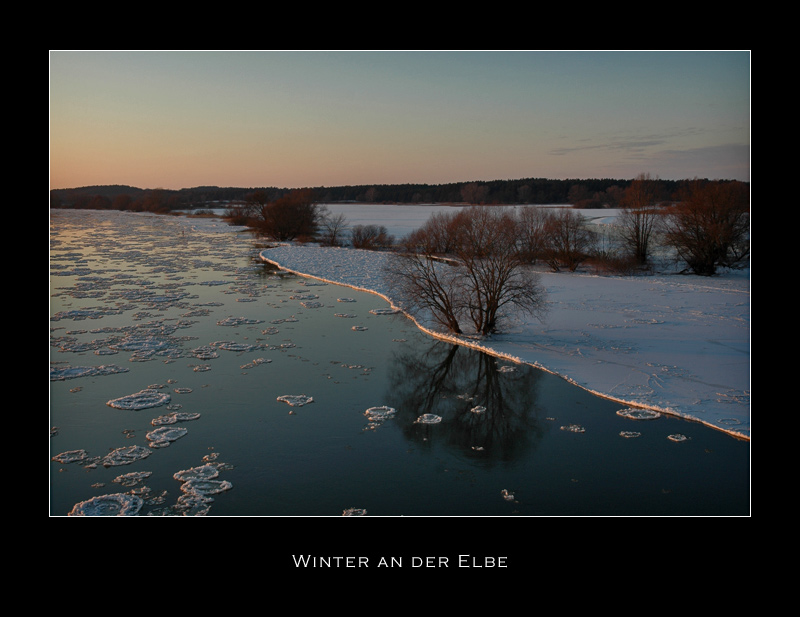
(188, 378)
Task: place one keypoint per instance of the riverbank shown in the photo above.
(675, 344)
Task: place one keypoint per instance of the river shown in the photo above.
(187, 377)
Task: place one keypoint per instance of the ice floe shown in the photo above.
(143, 399)
(133, 478)
(80, 314)
(71, 456)
(255, 363)
(125, 456)
(73, 372)
(238, 321)
(296, 400)
(116, 504)
(638, 414)
(201, 472)
(193, 504)
(234, 346)
(165, 435)
(428, 418)
(204, 488)
(205, 352)
(214, 283)
(150, 345)
(379, 415)
(198, 484)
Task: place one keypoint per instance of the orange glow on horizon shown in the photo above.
(299, 119)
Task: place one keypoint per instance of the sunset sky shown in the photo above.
(179, 119)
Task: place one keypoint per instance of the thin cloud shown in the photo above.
(615, 146)
(632, 142)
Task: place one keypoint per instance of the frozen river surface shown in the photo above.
(187, 377)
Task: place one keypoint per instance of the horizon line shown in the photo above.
(218, 186)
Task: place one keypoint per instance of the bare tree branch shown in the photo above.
(488, 273)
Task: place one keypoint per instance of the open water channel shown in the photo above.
(187, 377)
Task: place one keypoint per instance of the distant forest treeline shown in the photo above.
(592, 193)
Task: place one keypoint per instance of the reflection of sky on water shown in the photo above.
(176, 305)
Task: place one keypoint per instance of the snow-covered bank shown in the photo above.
(677, 344)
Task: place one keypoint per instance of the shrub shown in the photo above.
(370, 237)
(293, 215)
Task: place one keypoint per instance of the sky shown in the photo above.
(291, 119)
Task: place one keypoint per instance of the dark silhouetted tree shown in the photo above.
(370, 237)
(292, 216)
(709, 227)
(332, 228)
(484, 275)
(568, 241)
(532, 232)
(436, 237)
(639, 216)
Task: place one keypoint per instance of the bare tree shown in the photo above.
(247, 211)
(332, 228)
(639, 215)
(531, 225)
(487, 246)
(710, 226)
(485, 275)
(257, 199)
(436, 237)
(569, 241)
(239, 213)
(428, 286)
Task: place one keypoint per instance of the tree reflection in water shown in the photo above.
(451, 381)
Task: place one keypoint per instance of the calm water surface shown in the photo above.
(185, 311)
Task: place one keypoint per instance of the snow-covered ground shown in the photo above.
(675, 343)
